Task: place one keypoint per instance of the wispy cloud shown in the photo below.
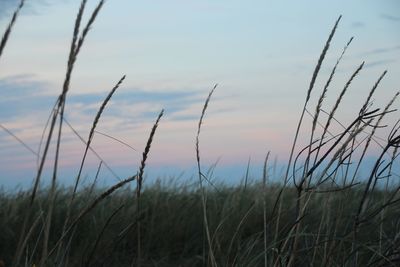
(6, 6)
(21, 95)
(31, 6)
(390, 17)
(25, 103)
(137, 104)
(382, 50)
(379, 63)
(357, 24)
(24, 95)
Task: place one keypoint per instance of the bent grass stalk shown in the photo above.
(296, 135)
(313, 79)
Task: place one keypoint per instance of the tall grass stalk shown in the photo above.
(88, 143)
(92, 130)
(264, 183)
(76, 44)
(139, 183)
(3, 43)
(296, 135)
(10, 26)
(319, 107)
(300, 189)
(200, 176)
(389, 175)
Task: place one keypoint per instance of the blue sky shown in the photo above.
(261, 53)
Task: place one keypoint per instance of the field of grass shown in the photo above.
(319, 213)
(172, 231)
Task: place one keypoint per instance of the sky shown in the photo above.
(260, 53)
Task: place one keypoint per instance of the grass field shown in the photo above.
(319, 213)
(172, 231)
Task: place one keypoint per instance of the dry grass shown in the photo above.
(321, 215)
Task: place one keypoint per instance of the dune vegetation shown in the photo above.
(319, 213)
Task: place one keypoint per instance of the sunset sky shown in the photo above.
(260, 53)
